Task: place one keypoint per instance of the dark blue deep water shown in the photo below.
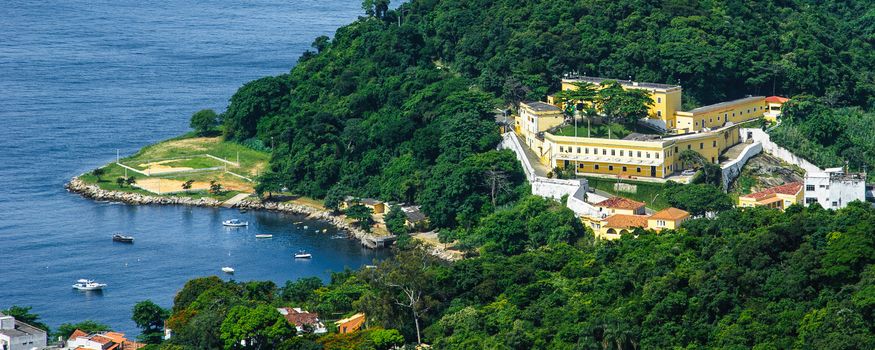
(80, 79)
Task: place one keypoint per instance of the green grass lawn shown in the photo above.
(113, 171)
(617, 130)
(646, 191)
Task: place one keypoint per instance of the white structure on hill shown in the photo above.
(17, 335)
(833, 188)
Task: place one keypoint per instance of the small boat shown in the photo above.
(228, 270)
(305, 227)
(235, 223)
(243, 211)
(88, 285)
(303, 255)
(324, 230)
(263, 236)
(118, 237)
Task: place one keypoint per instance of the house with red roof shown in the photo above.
(101, 341)
(616, 225)
(778, 197)
(303, 321)
(774, 104)
(619, 205)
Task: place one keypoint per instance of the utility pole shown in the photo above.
(116, 155)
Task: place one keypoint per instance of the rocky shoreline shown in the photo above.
(96, 193)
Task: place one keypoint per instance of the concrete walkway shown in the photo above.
(236, 199)
(540, 169)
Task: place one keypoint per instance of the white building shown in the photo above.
(833, 188)
(17, 335)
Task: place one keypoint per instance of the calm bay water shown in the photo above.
(80, 79)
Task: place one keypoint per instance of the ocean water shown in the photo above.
(80, 79)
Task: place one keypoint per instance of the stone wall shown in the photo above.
(732, 169)
(758, 135)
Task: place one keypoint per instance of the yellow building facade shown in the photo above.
(778, 197)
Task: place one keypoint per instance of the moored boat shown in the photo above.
(88, 285)
(303, 255)
(228, 270)
(118, 237)
(235, 223)
(264, 236)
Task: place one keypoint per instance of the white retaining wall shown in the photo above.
(547, 187)
(772, 148)
(732, 169)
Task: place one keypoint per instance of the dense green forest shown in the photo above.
(754, 278)
(828, 136)
(402, 108)
(390, 106)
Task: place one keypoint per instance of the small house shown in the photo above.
(778, 197)
(620, 205)
(351, 324)
(375, 205)
(302, 320)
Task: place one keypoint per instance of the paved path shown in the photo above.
(236, 199)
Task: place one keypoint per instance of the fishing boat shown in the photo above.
(88, 285)
(118, 237)
(228, 270)
(235, 223)
(303, 255)
(264, 236)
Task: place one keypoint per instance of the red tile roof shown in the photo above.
(789, 188)
(777, 99)
(625, 221)
(76, 334)
(620, 203)
(100, 339)
(670, 214)
(300, 318)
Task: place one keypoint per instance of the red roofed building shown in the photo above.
(774, 104)
(778, 197)
(301, 318)
(620, 205)
(101, 341)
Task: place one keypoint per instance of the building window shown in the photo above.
(638, 169)
(624, 168)
(560, 149)
(656, 155)
(701, 145)
(718, 118)
(596, 167)
(647, 154)
(659, 100)
(621, 153)
(581, 165)
(578, 150)
(610, 167)
(586, 150)
(835, 204)
(809, 187)
(710, 120)
(659, 114)
(725, 115)
(810, 200)
(714, 143)
(613, 152)
(639, 154)
(660, 223)
(688, 147)
(675, 149)
(604, 152)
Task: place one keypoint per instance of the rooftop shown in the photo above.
(625, 221)
(539, 106)
(350, 318)
(670, 214)
(21, 329)
(620, 203)
(413, 214)
(626, 83)
(776, 99)
(298, 317)
(721, 105)
(789, 189)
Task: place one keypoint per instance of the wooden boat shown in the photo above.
(118, 237)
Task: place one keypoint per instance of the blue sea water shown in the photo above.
(80, 79)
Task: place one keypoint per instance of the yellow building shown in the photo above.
(666, 98)
(716, 115)
(535, 118)
(613, 226)
(634, 156)
(778, 197)
(668, 218)
(775, 105)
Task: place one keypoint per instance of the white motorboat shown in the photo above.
(303, 255)
(228, 270)
(264, 235)
(235, 223)
(88, 285)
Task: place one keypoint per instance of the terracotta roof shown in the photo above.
(115, 336)
(300, 318)
(789, 189)
(777, 99)
(76, 334)
(620, 203)
(100, 339)
(625, 221)
(670, 214)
